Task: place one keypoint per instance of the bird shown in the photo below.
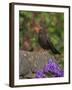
(44, 40)
(26, 44)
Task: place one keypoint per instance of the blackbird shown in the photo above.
(44, 40)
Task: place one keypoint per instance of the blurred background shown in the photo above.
(52, 22)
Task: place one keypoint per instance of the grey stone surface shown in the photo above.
(24, 65)
(30, 62)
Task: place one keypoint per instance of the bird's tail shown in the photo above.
(53, 49)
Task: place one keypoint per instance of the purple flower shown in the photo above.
(60, 73)
(39, 74)
(54, 68)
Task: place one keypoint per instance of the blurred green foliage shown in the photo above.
(53, 22)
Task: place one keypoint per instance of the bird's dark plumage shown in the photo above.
(45, 42)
